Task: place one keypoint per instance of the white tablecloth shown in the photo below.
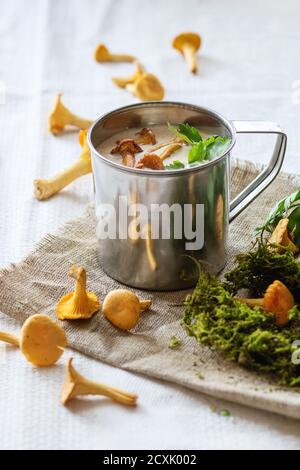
(249, 67)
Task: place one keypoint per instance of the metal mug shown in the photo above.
(166, 264)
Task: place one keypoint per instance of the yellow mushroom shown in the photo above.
(146, 137)
(80, 304)
(60, 117)
(123, 81)
(188, 44)
(165, 144)
(102, 54)
(76, 385)
(280, 236)
(41, 341)
(168, 151)
(277, 299)
(147, 88)
(45, 188)
(123, 308)
(127, 148)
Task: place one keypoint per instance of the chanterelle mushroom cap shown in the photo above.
(45, 188)
(146, 136)
(42, 341)
(278, 300)
(80, 304)
(183, 39)
(188, 44)
(123, 81)
(61, 116)
(126, 146)
(147, 88)
(123, 308)
(280, 236)
(102, 54)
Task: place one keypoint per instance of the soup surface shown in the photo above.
(162, 135)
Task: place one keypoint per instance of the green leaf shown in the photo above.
(279, 211)
(216, 146)
(185, 132)
(192, 133)
(175, 342)
(197, 153)
(294, 225)
(174, 165)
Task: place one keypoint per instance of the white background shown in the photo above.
(248, 65)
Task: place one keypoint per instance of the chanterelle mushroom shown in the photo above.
(123, 81)
(277, 299)
(80, 304)
(150, 160)
(147, 88)
(146, 137)
(76, 385)
(123, 308)
(127, 148)
(188, 44)
(45, 188)
(60, 117)
(280, 236)
(102, 54)
(42, 341)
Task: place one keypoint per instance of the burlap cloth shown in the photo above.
(35, 284)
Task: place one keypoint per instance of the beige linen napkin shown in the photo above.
(35, 285)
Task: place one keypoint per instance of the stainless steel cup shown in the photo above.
(166, 264)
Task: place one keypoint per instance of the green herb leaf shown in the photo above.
(192, 133)
(197, 153)
(174, 165)
(175, 342)
(216, 146)
(294, 225)
(224, 413)
(185, 132)
(279, 211)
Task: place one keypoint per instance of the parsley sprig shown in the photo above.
(201, 149)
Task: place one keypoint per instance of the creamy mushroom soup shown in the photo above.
(162, 135)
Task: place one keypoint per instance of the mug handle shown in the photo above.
(262, 181)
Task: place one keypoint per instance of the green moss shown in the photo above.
(258, 268)
(244, 335)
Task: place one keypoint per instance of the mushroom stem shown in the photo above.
(190, 57)
(79, 274)
(102, 54)
(145, 304)
(60, 117)
(45, 188)
(122, 58)
(251, 302)
(75, 385)
(277, 300)
(9, 338)
(82, 166)
(162, 145)
(169, 150)
(128, 159)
